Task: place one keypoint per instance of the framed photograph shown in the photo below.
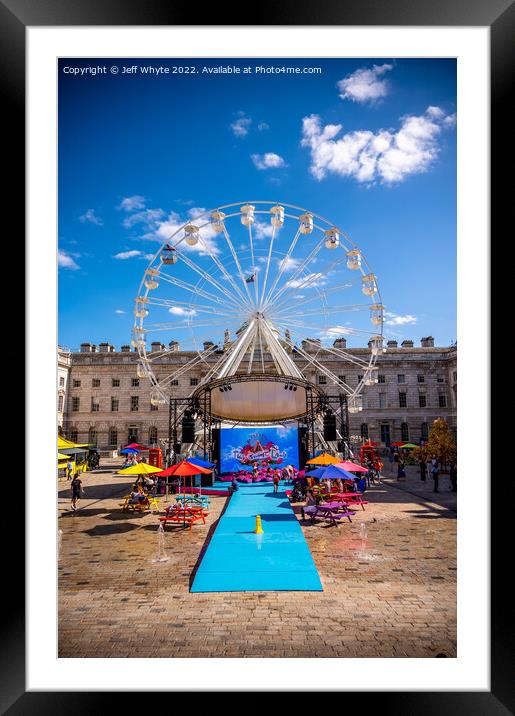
(254, 251)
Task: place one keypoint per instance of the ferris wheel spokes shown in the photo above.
(222, 268)
(282, 266)
(207, 276)
(236, 261)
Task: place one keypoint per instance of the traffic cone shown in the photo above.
(259, 529)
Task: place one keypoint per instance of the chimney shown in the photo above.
(85, 347)
(156, 346)
(174, 346)
(427, 342)
(208, 345)
(125, 349)
(407, 344)
(340, 343)
(313, 344)
(94, 349)
(104, 347)
(391, 344)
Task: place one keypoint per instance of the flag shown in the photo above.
(250, 279)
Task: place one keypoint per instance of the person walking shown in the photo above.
(76, 490)
(453, 474)
(423, 468)
(69, 470)
(435, 472)
(276, 482)
(401, 472)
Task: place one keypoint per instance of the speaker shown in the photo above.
(177, 448)
(329, 426)
(188, 428)
(303, 445)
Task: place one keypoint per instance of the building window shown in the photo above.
(135, 382)
(115, 404)
(385, 434)
(421, 379)
(404, 432)
(422, 402)
(75, 405)
(322, 380)
(360, 378)
(92, 436)
(174, 382)
(60, 403)
(381, 379)
(95, 383)
(442, 401)
(455, 376)
(382, 400)
(76, 383)
(440, 379)
(95, 405)
(193, 381)
(61, 382)
(153, 407)
(401, 378)
(341, 379)
(152, 436)
(73, 435)
(424, 432)
(134, 403)
(402, 400)
(364, 431)
(113, 437)
(132, 436)
(115, 382)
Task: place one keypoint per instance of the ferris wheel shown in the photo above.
(261, 292)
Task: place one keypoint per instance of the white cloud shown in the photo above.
(262, 229)
(309, 281)
(263, 126)
(91, 217)
(64, 260)
(119, 311)
(392, 319)
(336, 331)
(131, 203)
(288, 263)
(240, 127)
(366, 156)
(178, 311)
(124, 255)
(148, 217)
(269, 160)
(365, 85)
(169, 226)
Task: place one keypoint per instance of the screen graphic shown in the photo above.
(272, 447)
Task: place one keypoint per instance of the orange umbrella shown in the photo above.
(324, 459)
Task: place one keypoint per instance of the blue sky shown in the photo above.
(369, 144)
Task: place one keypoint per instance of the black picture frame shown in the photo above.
(499, 16)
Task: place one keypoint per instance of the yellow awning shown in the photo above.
(60, 457)
(141, 468)
(63, 444)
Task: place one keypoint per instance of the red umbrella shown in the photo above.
(397, 444)
(351, 467)
(135, 446)
(184, 469)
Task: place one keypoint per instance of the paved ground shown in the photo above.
(390, 595)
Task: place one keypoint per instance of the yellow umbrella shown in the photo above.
(60, 457)
(141, 468)
(63, 444)
(324, 459)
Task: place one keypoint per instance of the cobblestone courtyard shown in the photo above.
(393, 595)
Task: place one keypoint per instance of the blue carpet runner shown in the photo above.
(238, 560)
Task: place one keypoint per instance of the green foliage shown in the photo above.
(441, 443)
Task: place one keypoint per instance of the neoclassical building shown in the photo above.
(101, 400)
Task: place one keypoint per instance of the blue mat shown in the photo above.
(238, 560)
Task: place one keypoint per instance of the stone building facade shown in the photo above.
(104, 402)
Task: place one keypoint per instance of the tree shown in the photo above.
(440, 443)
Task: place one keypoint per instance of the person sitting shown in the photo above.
(310, 502)
(234, 485)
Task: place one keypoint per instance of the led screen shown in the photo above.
(272, 447)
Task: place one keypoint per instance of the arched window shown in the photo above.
(113, 437)
(424, 432)
(92, 436)
(404, 432)
(73, 435)
(364, 431)
(152, 436)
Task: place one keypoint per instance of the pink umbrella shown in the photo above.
(351, 467)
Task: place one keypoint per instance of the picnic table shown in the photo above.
(149, 503)
(184, 515)
(353, 498)
(332, 512)
(202, 500)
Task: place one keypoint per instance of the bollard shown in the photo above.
(259, 529)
